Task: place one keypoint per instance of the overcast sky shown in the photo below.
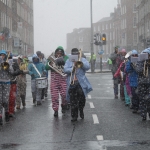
(53, 19)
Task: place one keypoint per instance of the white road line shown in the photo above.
(89, 96)
(99, 137)
(91, 105)
(95, 119)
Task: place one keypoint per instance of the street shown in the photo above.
(108, 124)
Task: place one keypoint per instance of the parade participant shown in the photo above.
(116, 59)
(36, 70)
(143, 90)
(21, 83)
(44, 90)
(13, 84)
(133, 80)
(6, 72)
(58, 83)
(77, 84)
(93, 60)
(124, 81)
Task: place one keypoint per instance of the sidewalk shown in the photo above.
(98, 71)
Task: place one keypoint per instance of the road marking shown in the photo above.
(95, 119)
(100, 138)
(91, 105)
(89, 96)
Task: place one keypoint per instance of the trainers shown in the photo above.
(134, 111)
(11, 115)
(39, 103)
(144, 118)
(18, 107)
(74, 119)
(56, 114)
(116, 96)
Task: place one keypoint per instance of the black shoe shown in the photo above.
(127, 105)
(134, 111)
(144, 118)
(39, 103)
(1, 121)
(11, 115)
(68, 106)
(45, 95)
(34, 101)
(81, 114)
(74, 119)
(63, 108)
(116, 96)
(56, 114)
(7, 116)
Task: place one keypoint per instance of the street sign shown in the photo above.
(101, 52)
(16, 42)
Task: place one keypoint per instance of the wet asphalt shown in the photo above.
(108, 124)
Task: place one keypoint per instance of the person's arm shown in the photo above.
(67, 67)
(86, 65)
(30, 69)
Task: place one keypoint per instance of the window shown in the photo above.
(134, 22)
(135, 37)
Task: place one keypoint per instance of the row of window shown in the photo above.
(24, 14)
(26, 35)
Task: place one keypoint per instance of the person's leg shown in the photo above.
(23, 94)
(18, 99)
(12, 98)
(73, 102)
(116, 88)
(81, 100)
(33, 90)
(63, 89)
(6, 92)
(38, 96)
(54, 89)
(135, 100)
(1, 104)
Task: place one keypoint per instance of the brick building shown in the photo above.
(143, 23)
(16, 26)
(79, 38)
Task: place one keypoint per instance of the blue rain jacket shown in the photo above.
(40, 67)
(133, 76)
(80, 74)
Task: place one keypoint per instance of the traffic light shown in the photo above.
(104, 39)
(20, 43)
(96, 39)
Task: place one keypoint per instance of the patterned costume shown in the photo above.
(58, 84)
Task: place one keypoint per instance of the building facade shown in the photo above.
(79, 38)
(143, 23)
(16, 26)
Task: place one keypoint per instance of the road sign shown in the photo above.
(100, 52)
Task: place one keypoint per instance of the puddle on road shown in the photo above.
(95, 144)
(9, 145)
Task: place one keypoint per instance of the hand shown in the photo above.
(60, 61)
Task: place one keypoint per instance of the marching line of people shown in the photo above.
(67, 79)
(132, 71)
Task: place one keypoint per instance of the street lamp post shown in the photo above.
(6, 25)
(92, 67)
